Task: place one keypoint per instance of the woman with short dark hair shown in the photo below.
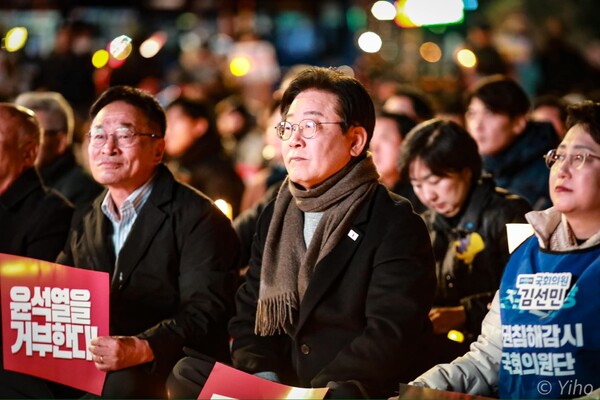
(466, 218)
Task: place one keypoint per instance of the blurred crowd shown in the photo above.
(471, 153)
(551, 71)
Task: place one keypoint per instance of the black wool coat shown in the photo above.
(175, 277)
(364, 312)
(34, 220)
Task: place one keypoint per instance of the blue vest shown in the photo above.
(550, 311)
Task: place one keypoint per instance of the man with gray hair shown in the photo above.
(56, 161)
(34, 220)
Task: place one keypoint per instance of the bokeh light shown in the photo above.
(189, 41)
(225, 208)
(369, 42)
(100, 58)
(240, 66)
(186, 21)
(120, 47)
(456, 336)
(151, 46)
(466, 58)
(356, 18)
(346, 70)
(430, 52)
(413, 13)
(15, 39)
(268, 152)
(383, 10)
(221, 44)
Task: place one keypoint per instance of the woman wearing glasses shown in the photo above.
(540, 338)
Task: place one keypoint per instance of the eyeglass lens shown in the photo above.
(555, 158)
(306, 128)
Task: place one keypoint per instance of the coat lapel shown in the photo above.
(99, 243)
(139, 240)
(144, 229)
(334, 264)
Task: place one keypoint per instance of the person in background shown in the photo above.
(34, 220)
(195, 154)
(410, 101)
(512, 147)
(241, 137)
(388, 135)
(480, 39)
(466, 217)
(264, 189)
(540, 338)
(565, 66)
(56, 161)
(341, 275)
(273, 172)
(67, 68)
(553, 109)
(171, 255)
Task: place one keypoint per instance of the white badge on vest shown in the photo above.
(543, 291)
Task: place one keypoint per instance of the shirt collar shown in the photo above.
(133, 202)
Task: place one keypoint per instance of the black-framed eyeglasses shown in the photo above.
(556, 158)
(124, 137)
(307, 128)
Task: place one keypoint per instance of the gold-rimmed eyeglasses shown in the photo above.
(124, 137)
(307, 128)
(555, 158)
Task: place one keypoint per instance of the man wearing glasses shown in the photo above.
(171, 254)
(341, 276)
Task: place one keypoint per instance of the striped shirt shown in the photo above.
(129, 211)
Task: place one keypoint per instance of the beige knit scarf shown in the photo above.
(287, 264)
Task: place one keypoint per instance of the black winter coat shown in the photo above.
(364, 313)
(175, 278)
(471, 279)
(34, 220)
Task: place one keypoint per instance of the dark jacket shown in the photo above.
(245, 223)
(34, 220)
(69, 178)
(174, 281)
(365, 309)
(521, 168)
(472, 283)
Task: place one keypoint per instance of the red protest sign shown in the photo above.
(50, 313)
(225, 382)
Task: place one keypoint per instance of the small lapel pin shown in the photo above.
(352, 235)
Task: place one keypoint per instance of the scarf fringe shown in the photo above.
(275, 314)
